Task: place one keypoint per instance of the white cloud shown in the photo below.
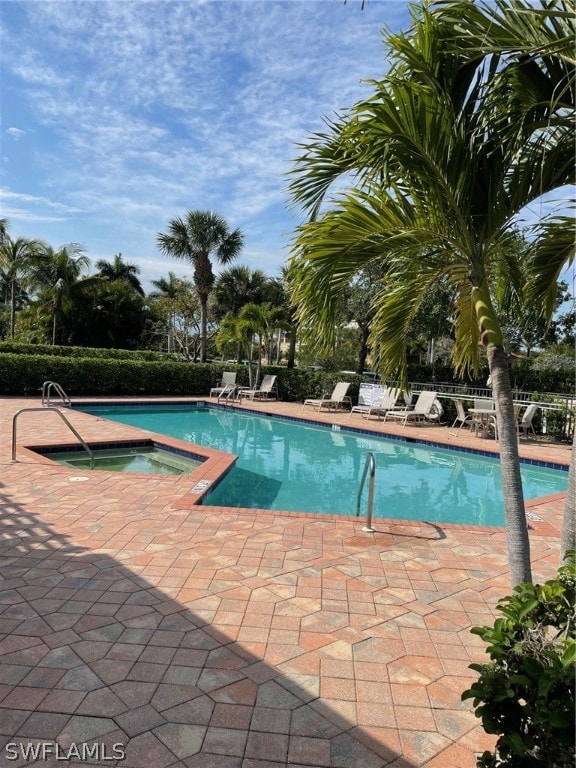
(16, 133)
(145, 109)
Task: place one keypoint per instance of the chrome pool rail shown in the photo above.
(47, 409)
(49, 385)
(369, 466)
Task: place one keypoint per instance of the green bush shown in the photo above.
(526, 693)
(57, 350)
(25, 374)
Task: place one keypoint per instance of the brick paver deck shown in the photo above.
(217, 638)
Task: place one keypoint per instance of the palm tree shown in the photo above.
(237, 286)
(196, 238)
(262, 320)
(118, 269)
(58, 275)
(438, 186)
(17, 260)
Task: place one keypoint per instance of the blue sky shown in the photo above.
(117, 116)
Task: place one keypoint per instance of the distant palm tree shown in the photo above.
(121, 270)
(196, 238)
(237, 286)
(58, 275)
(166, 287)
(17, 260)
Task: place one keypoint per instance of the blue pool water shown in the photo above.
(288, 465)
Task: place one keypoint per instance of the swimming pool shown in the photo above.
(285, 464)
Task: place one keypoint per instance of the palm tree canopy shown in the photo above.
(437, 188)
(196, 238)
(236, 286)
(118, 269)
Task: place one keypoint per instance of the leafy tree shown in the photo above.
(196, 238)
(118, 269)
(359, 299)
(177, 307)
(442, 165)
(112, 316)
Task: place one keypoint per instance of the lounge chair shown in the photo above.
(461, 417)
(380, 405)
(423, 409)
(338, 398)
(228, 377)
(525, 423)
(266, 390)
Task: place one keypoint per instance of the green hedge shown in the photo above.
(19, 348)
(106, 374)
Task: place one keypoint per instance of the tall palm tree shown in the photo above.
(437, 188)
(118, 269)
(17, 260)
(196, 238)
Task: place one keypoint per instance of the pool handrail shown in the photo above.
(46, 387)
(370, 465)
(45, 409)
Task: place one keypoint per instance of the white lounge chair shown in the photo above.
(423, 409)
(228, 377)
(461, 417)
(380, 405)
(338, 398)
(525, 422)
(266, 390)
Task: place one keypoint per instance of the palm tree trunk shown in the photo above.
(292, 349)
(514, 511)
(568, 540)
(203, 326)
(12, 307)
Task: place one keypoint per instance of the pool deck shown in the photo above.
(203, 637)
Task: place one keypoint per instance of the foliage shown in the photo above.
(343, 356)
(441, 160)
(198, 238)
(19, 348)
(178, 311)
(526, 693)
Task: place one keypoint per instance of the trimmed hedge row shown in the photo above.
(24, 374)
(19, 348)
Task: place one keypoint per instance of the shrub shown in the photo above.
(525, 694)
(60, 350)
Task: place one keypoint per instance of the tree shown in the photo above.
(176, 305)
(439, 179)
(118, 269)
(196, 238)
(59, 277)
(17, 260)
(237, 286)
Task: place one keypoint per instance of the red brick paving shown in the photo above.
(199, 636)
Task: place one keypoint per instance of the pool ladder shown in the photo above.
(369, 468)
(47, 409)
(46, 389)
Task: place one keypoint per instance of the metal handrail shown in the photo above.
(46, 387)
(369, 465)
(45, 409)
